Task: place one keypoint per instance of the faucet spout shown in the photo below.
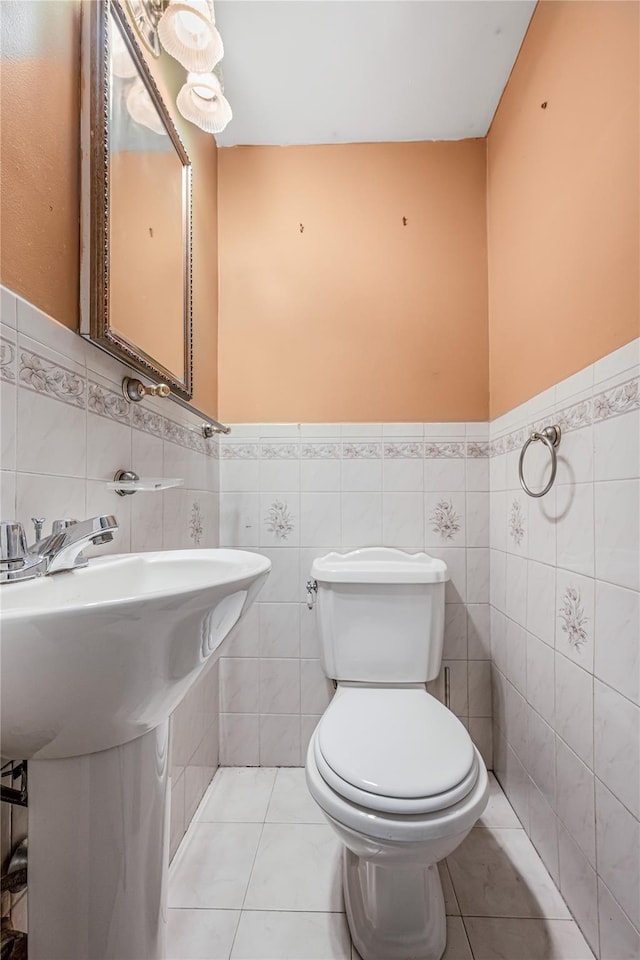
(61, 550)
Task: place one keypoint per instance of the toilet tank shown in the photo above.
(380, 615)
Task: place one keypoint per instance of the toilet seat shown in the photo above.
(394, 750)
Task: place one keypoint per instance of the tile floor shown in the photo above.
(257, 877)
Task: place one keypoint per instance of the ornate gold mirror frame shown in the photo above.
(96, 321)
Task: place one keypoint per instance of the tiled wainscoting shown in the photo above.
(297, 491)
(565, 637)
(65, 430)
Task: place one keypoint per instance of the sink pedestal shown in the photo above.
(99, 853)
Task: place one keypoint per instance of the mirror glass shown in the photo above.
(139, 301)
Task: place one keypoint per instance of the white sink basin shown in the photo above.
(93, 658)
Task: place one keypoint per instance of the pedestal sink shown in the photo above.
(93, 663)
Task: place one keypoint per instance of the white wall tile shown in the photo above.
(239, 685)
(578, 884)
(541, 601)
(540, 676)
(574, 707)
(280, 741)
(617, 521)
(618, 937)
(617, 652)
(617, 745)
(618, 842)
(575, 801)
(361, 519)
(279, 686)
(617, 447)
(575, 528)
(279, 629)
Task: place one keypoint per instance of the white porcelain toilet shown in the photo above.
(393, 770)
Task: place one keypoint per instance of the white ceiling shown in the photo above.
(346, 71)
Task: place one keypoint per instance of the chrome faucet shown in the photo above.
(61, 550)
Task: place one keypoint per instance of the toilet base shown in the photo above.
(394, 912)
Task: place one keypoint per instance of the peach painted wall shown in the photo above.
(39, 176)
(331, 308)
(563, 199)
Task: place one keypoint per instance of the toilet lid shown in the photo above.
(394, 742)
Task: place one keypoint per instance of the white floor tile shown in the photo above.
(526, 939)
(201, 934)
(291, 801)
(298, 867)
(497, 873)
(450, 901)
(457, 943)
(266, 935)
(499, 812)
(238, 795)
(213, 866)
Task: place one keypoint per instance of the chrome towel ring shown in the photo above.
(550, 436)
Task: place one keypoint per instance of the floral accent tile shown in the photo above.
(7, 361)
(449, 451)
(516, 523)
(361, 451)
(56, 381)
(573, 618)
(611, 403)
(320, 451)
(403, 451)
(574, 417)
(279, 451)
(188, 437)
(147, 421)
(108, 404)
(279, 520)
(196, 524)
(445, 520)
(477, 450)
(239, 451)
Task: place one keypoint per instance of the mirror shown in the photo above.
(136, 208)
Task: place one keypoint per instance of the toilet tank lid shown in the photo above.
(379, 565)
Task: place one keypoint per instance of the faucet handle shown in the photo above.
(13, 543)
(63, 524)
(38, 523)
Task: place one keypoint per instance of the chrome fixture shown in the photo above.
(312, 593)
(134, 390)
(209, 429)
(61, 550)
(129, 477)
(550, 436)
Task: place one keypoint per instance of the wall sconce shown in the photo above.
(186, 29)
(201, 101)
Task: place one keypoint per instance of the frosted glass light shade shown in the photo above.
(142, 109)
(187, 32)
(202, 102)
(122, 63)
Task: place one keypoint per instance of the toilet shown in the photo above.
(393, 770)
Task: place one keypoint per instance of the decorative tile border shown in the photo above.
(52, 379)
(7, 360)
(361, 451)
(279, 451)
(239, 451)
(320, 451)
(614, 402)
(108, 404)
(147, 422)
(444, 451)
(403, 451)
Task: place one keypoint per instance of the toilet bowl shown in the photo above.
(393, 770)
(402, 786)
